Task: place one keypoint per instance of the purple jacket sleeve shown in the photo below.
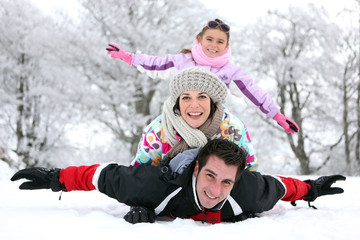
(257, 96)
(162, 67)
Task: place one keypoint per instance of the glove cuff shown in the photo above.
(278, 117)
(313, 192)
(55, 184)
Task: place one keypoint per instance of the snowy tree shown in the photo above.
(32, 98)
(348, 58)
(349, 86)
(296, 50)
(120, 97)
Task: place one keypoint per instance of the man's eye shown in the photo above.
(210, 175)
(227, 183)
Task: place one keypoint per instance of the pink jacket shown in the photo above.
(239, 83)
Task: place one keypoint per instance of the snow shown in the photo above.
(39, 214)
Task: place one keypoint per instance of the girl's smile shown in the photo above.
(213, 42)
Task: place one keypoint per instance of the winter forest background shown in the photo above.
(64, 101)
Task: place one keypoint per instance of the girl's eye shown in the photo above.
(220, 42)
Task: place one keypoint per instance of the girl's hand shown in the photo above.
(289, 125)
(116, 52)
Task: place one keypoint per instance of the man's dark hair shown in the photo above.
(228, 151)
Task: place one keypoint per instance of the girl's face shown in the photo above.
(213, 42)
(194, 107)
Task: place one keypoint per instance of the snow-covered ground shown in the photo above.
(91, 215)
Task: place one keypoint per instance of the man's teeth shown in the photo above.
(209, 196)
(195, 114)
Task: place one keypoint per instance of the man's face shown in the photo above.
(214, 181)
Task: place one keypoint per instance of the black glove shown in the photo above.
(140, 215)
(40, 178)
(321, 187)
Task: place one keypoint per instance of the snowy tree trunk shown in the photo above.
(297, 146)
(345, 119)
(23, 115)
(28, 119)
(357, 148)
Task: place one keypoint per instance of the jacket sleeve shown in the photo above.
(235, 130)
(255, 193)
(149, 150)
(78, 178)
(295, 189)
(242, 84)
(134, 186)
(151, 146)
(160, 67)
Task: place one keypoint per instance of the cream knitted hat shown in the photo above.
(198, 79)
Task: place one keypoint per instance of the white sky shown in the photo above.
(239, 11)
(243, 12)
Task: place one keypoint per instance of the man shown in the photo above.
(209, 184)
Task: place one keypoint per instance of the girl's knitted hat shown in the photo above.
(198, 79)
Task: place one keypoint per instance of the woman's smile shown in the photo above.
(194, 107)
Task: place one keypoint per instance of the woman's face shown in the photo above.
(213, 42)
(194, 107)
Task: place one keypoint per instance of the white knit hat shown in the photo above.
(198, 79)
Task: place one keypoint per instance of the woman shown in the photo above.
(191, 116)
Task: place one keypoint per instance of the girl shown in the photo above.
(211, 52)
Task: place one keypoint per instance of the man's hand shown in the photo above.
(140, 215)
(322, 186)
(40, 178)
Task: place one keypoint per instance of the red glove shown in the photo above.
(289, 125)
(117, 52)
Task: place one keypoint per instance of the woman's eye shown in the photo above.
(185, 98)
(203, 96)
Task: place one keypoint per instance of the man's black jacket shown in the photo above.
(171, 193)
